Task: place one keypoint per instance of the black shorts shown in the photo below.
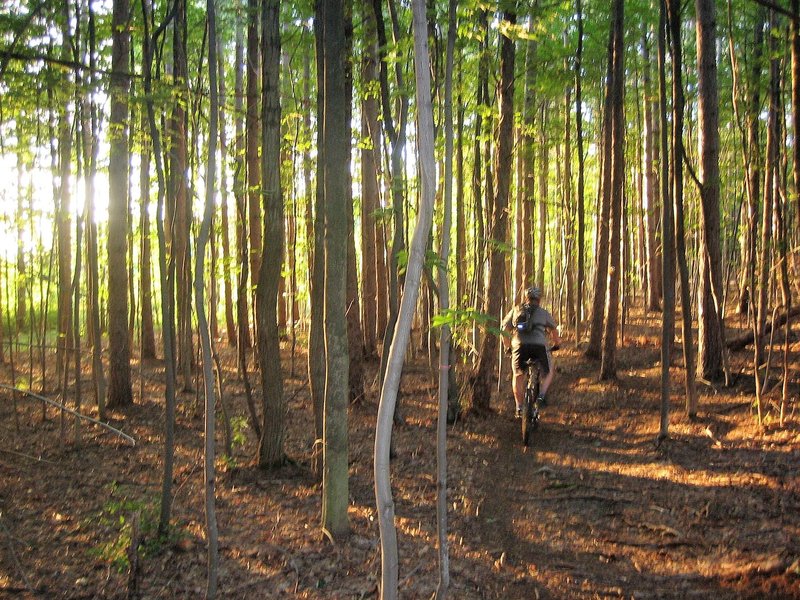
(525, 352)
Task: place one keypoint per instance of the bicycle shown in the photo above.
(530, 409)
(530, 406)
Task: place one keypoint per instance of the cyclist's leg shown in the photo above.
(519, 377)
(545, 369)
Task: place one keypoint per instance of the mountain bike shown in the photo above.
(530, 406)
(530, 410)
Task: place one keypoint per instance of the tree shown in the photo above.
(209, 477)
(416, 259)
(711, 333)
(484, 373)
(608, 366)
(270, 449)
(336, 139)
(119, 383)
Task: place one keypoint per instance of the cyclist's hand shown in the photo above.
(507, 351)
(554, 348)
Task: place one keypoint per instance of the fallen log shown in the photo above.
(746, 338)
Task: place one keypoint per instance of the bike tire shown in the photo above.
(527, 419)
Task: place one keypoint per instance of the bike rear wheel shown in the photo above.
(528, 421)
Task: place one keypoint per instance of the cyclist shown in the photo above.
(529, 325)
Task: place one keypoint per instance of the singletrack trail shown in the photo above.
(595, 510)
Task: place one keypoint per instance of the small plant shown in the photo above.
(118, 514)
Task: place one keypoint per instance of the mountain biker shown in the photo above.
(529, 325)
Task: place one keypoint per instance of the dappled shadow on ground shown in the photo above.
(594, 509)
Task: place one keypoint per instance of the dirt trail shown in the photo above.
(595, 510)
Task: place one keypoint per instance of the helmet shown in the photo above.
(534, 293)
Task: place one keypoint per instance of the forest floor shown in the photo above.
(594, 509)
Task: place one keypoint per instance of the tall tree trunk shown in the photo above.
(148, 349)
(754, 166)
(355, 337)
(336, 142)
(370, 161)
(527, 151)
(316, 350)
(181, 204)
(485, 371)
(397, 138)
(209, 454)
(667, 233)
(243, 340)
(676, 160)
(63, 218)
(608, 365)
(270, 448)
(119, 385)
(255, 222)
(419, 243)
(230, 322)
(544, 168)
(445, 364)
(711, 333)
(93, 278)
(770, 177)
(594, 348)
(796, 103)
(581, 175)
(651, 208)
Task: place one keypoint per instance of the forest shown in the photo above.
(254, 262)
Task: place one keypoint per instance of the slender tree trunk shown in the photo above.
(119, 389)
(667, 233)
(230, 322)
(527, 151)
(148, 349)
(581, 176)
(594, 348)
(209, 453)
(796, 104)
(770, 177)
(370, 161)
(482, 379)
(711, 331)
(651, 208)
(676, 160)
(445, 364)
(180, 203)
(754, 166)
(336, 142)
(419, 243)
(608, 366)
(270, 449)
(255, 222)
(544, 168)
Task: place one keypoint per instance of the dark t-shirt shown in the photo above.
(542, 320)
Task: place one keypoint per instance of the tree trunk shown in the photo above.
(770, 178)
(485, 371)
(270, 448)
(181, 205)
(594, 348)
(209, 454)
(148, 348)
(255, 222)
(93, 278)
(651, 258)
(370, 162)
(581, 176)
(386, 408)
(676, 160)
(796, 103)
(119, 385)
(243, 340)
(608, 365)
(336, 142)
(230, 322)
(667, 233)
(528, 154)
(711, 333)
